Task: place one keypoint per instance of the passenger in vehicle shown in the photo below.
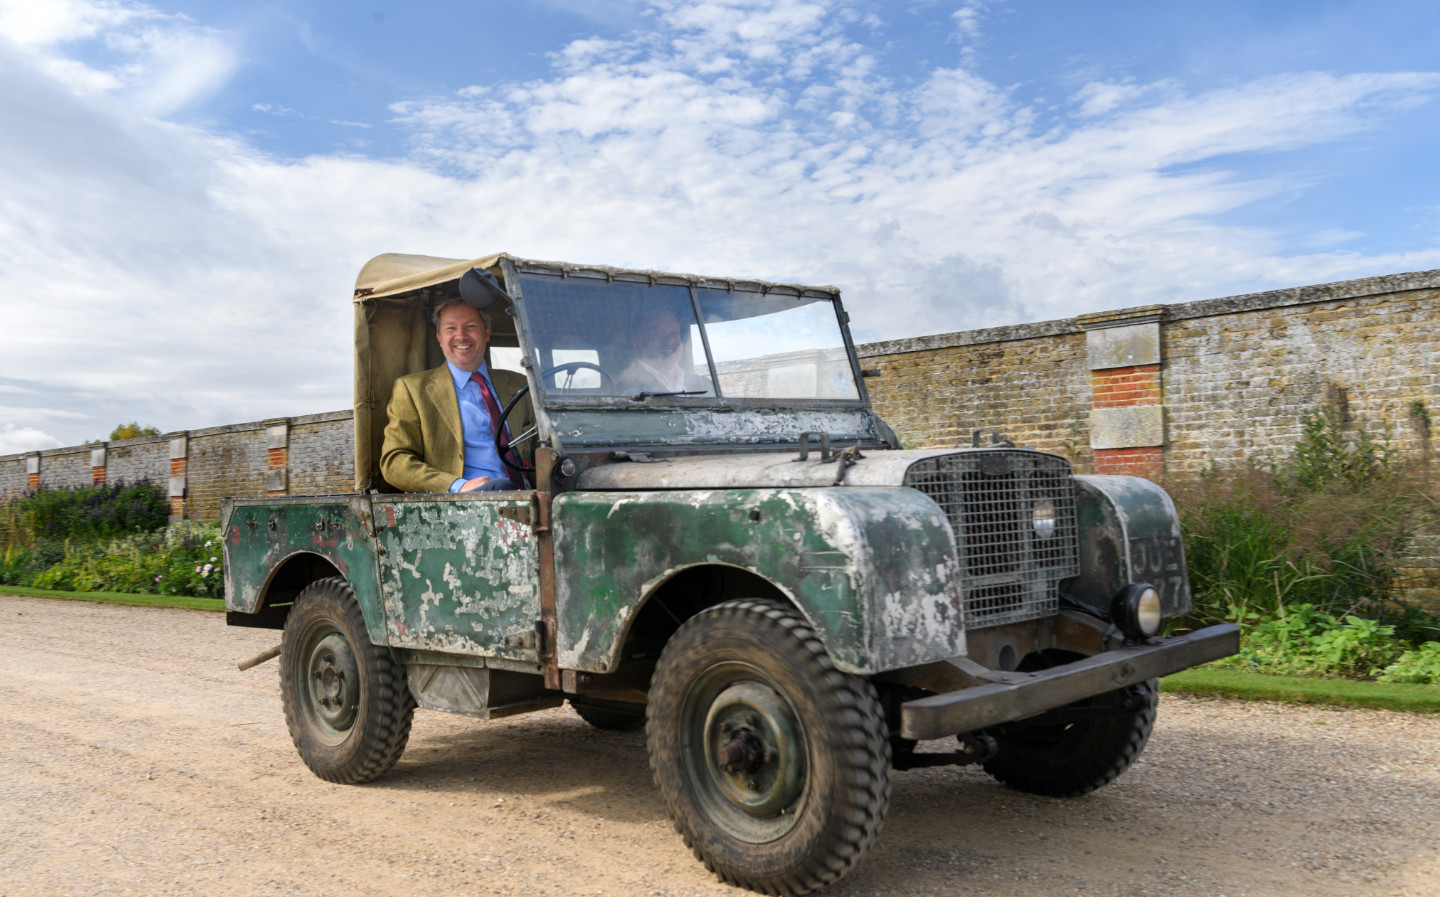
(441, 433)
(660, 365)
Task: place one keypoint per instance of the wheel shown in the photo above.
(347, 704)
(774, 765)
(610, 716)
(508, 453)
(1065, 759)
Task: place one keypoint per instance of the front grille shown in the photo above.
(1011, 572)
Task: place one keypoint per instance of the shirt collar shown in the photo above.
(462, 377)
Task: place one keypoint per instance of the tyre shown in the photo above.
(1066, 759)
(611, 717)
(347, 704)
(774, 765)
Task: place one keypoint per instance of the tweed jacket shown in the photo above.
(424, 448)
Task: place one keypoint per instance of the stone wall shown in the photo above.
(1173, 388)
(306, 455)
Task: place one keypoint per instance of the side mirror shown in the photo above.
(479, 288)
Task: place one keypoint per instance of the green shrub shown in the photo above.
(1305, 641)
(1420, 665)
(1324, 527)
(183, 559)
(88, 513)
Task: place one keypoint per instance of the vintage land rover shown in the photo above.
(750, 567)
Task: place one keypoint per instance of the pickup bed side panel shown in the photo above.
(261, 536)
(873, 569)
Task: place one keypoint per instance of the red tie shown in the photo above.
(493, 407)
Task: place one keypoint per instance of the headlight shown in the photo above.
(1136, 610)
(1043, 518)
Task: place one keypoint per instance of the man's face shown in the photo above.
(463, 336)
(659, 336)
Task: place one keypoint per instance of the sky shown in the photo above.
(188, 189)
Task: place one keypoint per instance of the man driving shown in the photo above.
(659, 365)
(441, 431)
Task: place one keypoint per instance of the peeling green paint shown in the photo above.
(459, 576)
(261, 536)
(874, 569)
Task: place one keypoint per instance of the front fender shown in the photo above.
(1129, 533)
(873, 569)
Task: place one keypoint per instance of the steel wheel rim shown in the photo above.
(330, 691)
(744, 752)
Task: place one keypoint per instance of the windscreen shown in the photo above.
(593, 337)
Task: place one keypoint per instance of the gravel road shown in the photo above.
(137, 760)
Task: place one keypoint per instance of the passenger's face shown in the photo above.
(659, 336)
(463, 336)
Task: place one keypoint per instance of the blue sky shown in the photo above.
(188, 189)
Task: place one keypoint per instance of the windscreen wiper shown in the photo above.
(642, 396)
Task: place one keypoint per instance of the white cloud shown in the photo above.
(14, 440)
(742, 138)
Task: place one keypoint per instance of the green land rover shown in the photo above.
(749, 566)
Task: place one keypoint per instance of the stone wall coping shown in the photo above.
(1385, 284)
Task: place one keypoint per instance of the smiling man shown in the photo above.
(441, 431)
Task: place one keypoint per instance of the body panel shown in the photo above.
(459, 574)
(873, 569)
(262, 535)
(1129, 532)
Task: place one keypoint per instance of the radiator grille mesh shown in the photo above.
(993, 499)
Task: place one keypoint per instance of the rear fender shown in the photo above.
(263, 538)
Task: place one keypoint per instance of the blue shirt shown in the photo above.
(481, 459)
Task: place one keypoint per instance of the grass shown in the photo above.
(1304, 690)
(182, 601)
(1198, 681)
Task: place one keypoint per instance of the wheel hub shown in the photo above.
(333, 679)
(753, 750)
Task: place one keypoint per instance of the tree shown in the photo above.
(132, 430)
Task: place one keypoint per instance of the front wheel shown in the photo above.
(1076, 756)
(347, 704)
(774, 765)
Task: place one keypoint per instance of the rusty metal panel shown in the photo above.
(1129, 532)
(459, 574)
(873, 569)
(260, 536)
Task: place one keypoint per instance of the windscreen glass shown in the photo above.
(597, 338)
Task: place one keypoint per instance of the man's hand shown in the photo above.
(474, 485)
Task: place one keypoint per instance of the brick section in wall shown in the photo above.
(1148, 462)
(277, 457)
(1121, 387)
(177, 502)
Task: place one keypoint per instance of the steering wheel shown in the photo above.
(508, 454)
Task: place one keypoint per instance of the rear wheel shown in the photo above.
(346, 701)
(774, 765)
(1102, 739)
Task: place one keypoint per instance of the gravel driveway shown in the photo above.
(137, 760)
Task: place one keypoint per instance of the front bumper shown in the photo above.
(1019, 695)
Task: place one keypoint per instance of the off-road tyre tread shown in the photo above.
(856, 716)
(387, 707)
(1110, 746)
